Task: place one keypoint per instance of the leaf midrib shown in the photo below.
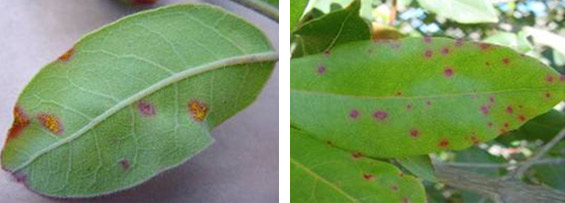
(496, 92)
(173, 78)
(323, 180)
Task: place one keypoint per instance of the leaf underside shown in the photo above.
(418, 95)
(133, 99)
(321, 173)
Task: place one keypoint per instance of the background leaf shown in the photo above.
(418, 95)
(421, 166)
(296, 11)
(462, 11)
(133, 99)
(543, 127)
(330, 30)
(321, 173)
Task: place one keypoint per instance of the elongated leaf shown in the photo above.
(330, 30)
(463, 11)
(296, 11)
(416, 96)
(320, 173)
(133, 99)
(421, 166)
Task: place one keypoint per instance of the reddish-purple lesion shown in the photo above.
(125, 164)
(146, 108)
(67, 55)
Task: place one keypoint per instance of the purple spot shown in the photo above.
(484, 46)
(448, 72)
(562, 78)
(20, 177)
(427, 39)
(321, 70)
(458, 42)
(354, 114)
(428, 53)
(509, 109)
(445, 51)
(484, 109)
(145, 108)
(125, 164)
(414, 133)
(380, 115)
(491, 99)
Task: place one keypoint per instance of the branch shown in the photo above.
(502, 165)
(261, 7)
(519, 172)
(497, 189)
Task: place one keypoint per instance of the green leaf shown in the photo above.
(543, 127)
(133, 99)
(330, 30)
(297, 8)
(518, 42)
(418, 95)
(421, 166)
(462, 11)
(327, 6)
(551, 174)
(274, 3)
(321, 173)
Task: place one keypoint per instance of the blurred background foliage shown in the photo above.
(532, 27)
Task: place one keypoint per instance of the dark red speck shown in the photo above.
(356, 155)
(125, 164)
(549, 78)
(491, 99)
(414, 133)
(367, 176)
(522, 118)
(506, 61)
(443, 143)
(444, 50)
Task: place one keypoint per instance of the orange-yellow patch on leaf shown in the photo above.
(197, 109)
(67, 55)
(51, 122)
(20, 122)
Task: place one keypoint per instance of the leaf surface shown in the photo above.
(421, 166)
(296, 11)
(133, 99)
(321, 173)
(328, 31)
(463, 11)
(418, 95)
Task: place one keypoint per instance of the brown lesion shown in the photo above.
(67, 55)
(51, 122)
(197, 109)
(21, 121)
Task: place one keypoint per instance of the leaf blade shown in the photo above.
(155, 112)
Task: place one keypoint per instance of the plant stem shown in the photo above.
(504, 165)
(261, 7)
(519, 172)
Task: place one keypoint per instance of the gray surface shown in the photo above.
(241, 166)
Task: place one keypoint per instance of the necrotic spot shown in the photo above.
(506, 61)
(67, 55)
(448, 72)
(485, 109)
(414, 132)
(444, 50)
(51, 122)
(354, 113)
(428, 53)
(356, 155)
(321, 70)
(21, 121)
(549, 78)
(522, 118)
(444, 143)
(197, 109)
(367, 176)
(509, 109)
(125, 164)
(380, 115)
(145, 108)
